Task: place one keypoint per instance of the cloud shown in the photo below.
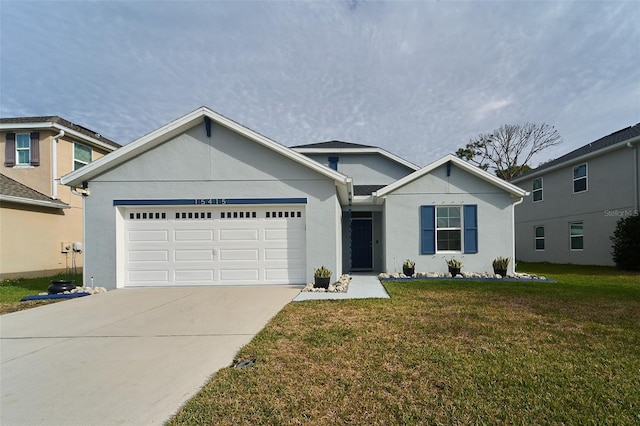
(416, 78)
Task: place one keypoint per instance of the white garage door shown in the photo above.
(193, 245)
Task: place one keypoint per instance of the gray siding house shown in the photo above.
(576, 201)
(206, 201)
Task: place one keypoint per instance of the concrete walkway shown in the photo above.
(362, 286)
(126, 357)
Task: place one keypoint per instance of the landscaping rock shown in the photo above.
(340, 286)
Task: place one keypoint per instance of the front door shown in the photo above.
(362, 244)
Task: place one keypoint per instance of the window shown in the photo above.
(537, 189)
(81, 155)
(576, 235)
(448, 229)
(333, 162)
(539, 237)
(580, 178)
(23, 149)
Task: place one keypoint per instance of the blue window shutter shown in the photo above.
(428, 225)
(470, 228)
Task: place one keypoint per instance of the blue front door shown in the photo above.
(361, 244)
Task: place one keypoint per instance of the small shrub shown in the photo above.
(626, 243)
(322, 272)
(409, 264)
(454, 263)
(501, 263)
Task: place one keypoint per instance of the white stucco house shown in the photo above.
(206, 201)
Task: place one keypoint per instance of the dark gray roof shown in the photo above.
(604, 142)
(366, 189)
(13, 188)
(61, 121)
(333, 145)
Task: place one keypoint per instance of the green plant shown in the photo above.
(501, 263)
(454, 263)
(409, 264)
(626, 243)
(322, 272)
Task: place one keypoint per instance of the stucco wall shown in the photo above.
(366, 169)
(610, 195)
(193, 166)
(31, 237)
(402, 221)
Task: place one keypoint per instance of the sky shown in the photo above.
(417, 78)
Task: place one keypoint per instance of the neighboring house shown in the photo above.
(576, 201)
(206, 201)
(40, 219)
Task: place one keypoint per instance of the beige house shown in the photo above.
(41, 229)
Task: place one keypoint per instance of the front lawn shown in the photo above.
(444, 352)
(11, 291)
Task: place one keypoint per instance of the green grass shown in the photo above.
(444, 352)
(11, 291)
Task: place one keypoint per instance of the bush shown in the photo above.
(626, 243)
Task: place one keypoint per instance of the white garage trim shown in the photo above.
(211, 243)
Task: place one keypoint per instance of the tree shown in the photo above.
(626, 243)
(508, 149)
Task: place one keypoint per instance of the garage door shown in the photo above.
(193, 245)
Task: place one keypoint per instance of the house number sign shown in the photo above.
(210, 201)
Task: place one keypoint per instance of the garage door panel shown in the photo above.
(152, 276)
(149, 235)
(212, 245)
(283, 274)
(190, 276)
(239, 274)
(283, 254)
(193, 235)
(148, 255)
(193, 255)
(239, 234)
(239, 254)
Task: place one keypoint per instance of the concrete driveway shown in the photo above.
(126, 357)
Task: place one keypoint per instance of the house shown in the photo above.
(577, 199)
(206, 201)
(40, 219)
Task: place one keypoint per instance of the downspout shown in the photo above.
(636, 196)
(513, 230)
(54, 165)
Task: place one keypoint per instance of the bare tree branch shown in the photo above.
(508, 149)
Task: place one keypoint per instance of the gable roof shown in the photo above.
(339, 147)
(476, 171)
(59, 123)
(184, 123)
(16, 192)
(613, 141)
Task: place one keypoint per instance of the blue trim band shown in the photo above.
(209, 201)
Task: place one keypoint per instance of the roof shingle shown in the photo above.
(13, 188)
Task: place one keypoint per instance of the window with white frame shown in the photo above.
(580, 178)
(81, 155)
(539, 237)
(448, 228)
(537, 189)
(576, 235)
(23, 149)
